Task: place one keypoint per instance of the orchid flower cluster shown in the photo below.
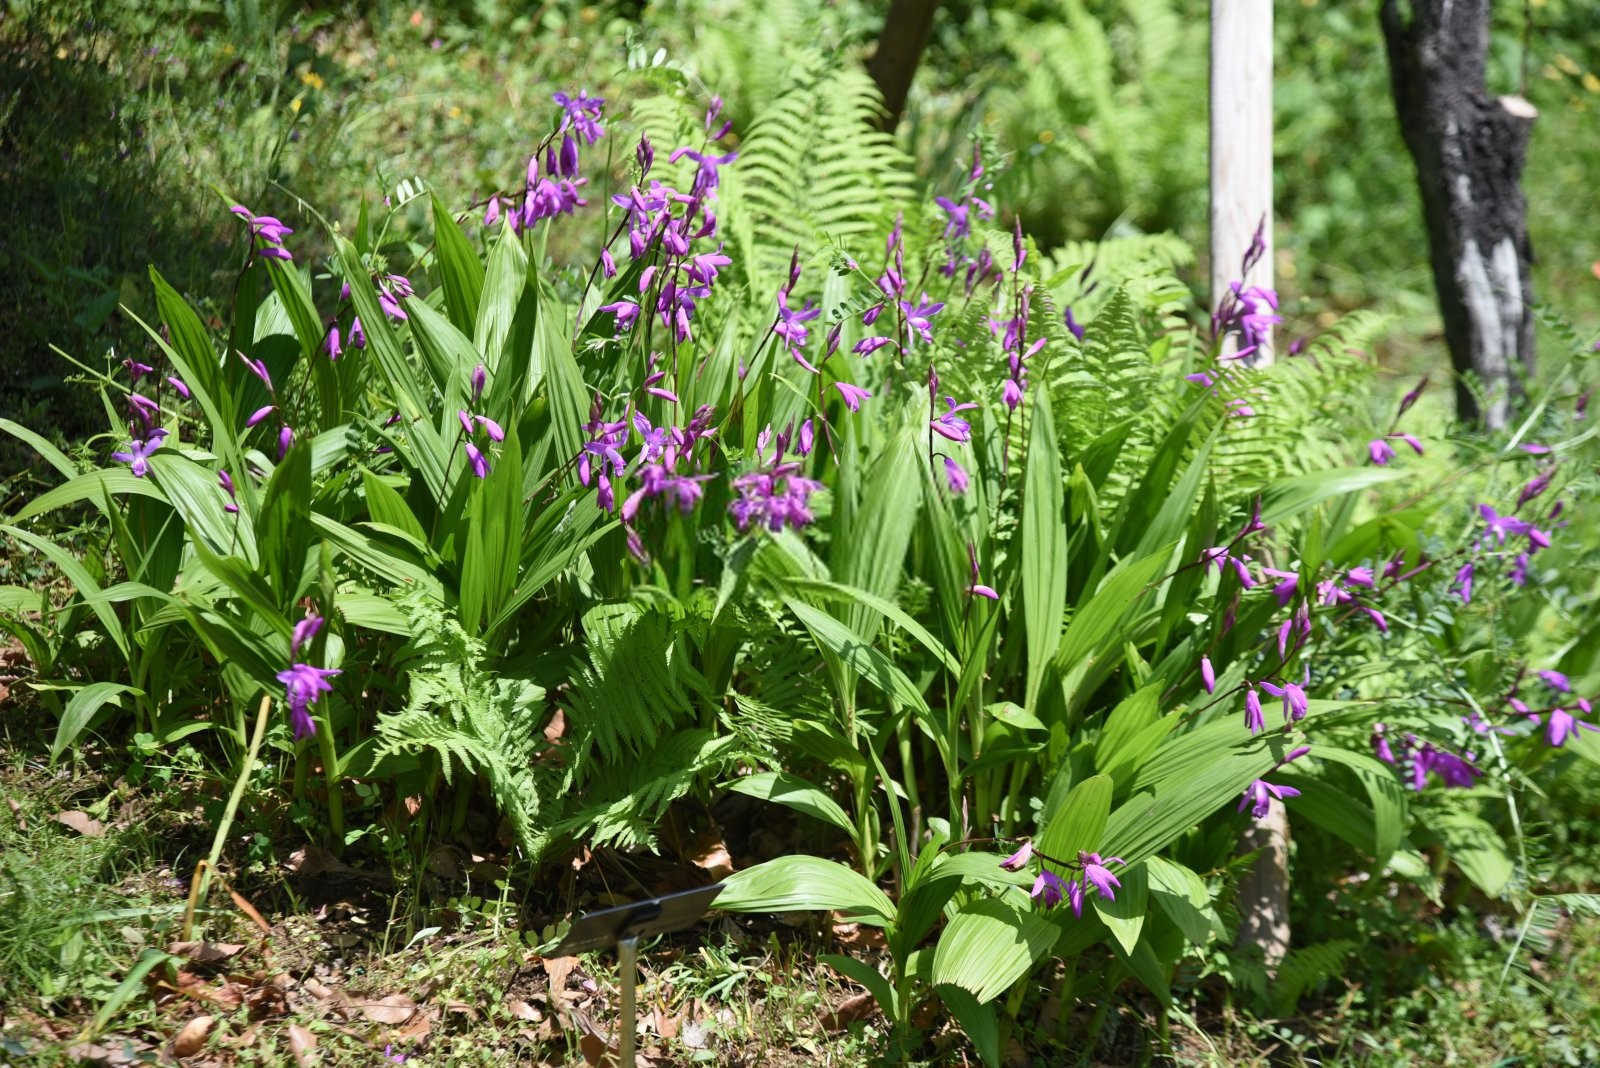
(667, 465)
(266, 230)
(661, 216)
(1013, 333)
(1049, 889)
(554, 179)
(914, 318)
(1247, 313)
(303, 683)
(979, 267)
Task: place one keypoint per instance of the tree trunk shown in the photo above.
(1469, 151)
(1263, 894)
(905, 34)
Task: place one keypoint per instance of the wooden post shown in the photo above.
(1241, 144)
(1241, 203)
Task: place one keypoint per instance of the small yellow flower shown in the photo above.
(1566, 63)
(294, 105)
(1590, 82)
(312, 78)
(455, 112)
(1046, 136)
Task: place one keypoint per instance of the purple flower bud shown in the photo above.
(285, 439)
(1556, 681)
(480, 378)
(645, 155)
(479, 464)
(1018, 860)
(492, 428)
(259, 414)
(977, 590)
(1411, 398)
(491, 214)
(805, 440)
(1073, 326)
(304, 631)
(955, 476)
(1208, 675)
(853, 395)
(331, 346)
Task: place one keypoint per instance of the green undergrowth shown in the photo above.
(1427, 985)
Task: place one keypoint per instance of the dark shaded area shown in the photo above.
(905, 34)
(1469, 150)
(87, 207)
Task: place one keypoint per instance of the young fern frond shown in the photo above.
(813, 168)
(469, 717)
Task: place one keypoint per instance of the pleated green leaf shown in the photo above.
(804, 883)
(990, 944)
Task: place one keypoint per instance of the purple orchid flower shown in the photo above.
(304, 684)
(950, 425)
(138, 455)
(1259, 794)
(1048, 889)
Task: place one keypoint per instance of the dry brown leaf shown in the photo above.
(859, 935)
(394, 1009)
(316, 989)
(315, 860)
(264, 1001)
(81, 822)
(855, 1007)
(205, 952)
(558, 968)
(244, 1039)
(413, 804)
(16, 812)
(302, 1044)
(419, 1028)
(710, 854)
(228, 995)
(595, 1051)
(556, 728)
(192, 1036)
(667, 1026)
(523, 1011)
(249, 910)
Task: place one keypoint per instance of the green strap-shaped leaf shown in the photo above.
(81, 710)
(1044, 547)
(866, 661)
(460, 270)
(425, 450)
(796, 793)
(52, 455)
(80, 578)
(1123, 914)
(1291, 496)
